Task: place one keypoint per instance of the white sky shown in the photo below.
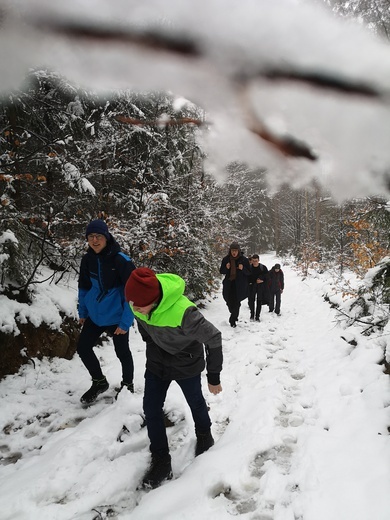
(301, 426)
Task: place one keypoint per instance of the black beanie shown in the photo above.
(234, 245)
(98, 226)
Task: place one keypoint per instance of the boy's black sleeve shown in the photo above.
(124, 267)
(195, 325)
(84, 278)
(223, 269)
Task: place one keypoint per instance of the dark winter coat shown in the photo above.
(276, 280)
(260, 289)
(241, 283)
(102, 280)
(175, 332)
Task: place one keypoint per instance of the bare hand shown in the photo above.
(215, 389)
(259, 281)
(120, 331)
(241, 267)
(228, 265)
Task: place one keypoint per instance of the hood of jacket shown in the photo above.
(170, 310)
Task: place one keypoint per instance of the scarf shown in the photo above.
(233, 268)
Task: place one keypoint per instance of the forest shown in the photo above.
(69, 154)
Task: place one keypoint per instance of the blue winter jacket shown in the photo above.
(102, 280)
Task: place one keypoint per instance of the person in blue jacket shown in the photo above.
(102, 307)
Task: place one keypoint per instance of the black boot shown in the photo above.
(232, 321)
(129, 386)
(204, 441)
(98, 387)
(159, 471)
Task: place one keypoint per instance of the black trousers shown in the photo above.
(89, 335)
(275, 296)
(255, 296)
(233, 304)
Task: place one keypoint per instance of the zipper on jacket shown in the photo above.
(100, 282)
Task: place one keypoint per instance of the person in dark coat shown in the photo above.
(276, 285)
(258, 287)
(102, 307)
(180, 343)
(235, 266)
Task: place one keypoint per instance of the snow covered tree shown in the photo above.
(374, 14)
(84, 160)
(368, 225)
(245, 209)
(40, 177)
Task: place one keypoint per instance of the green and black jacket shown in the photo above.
(175, 332)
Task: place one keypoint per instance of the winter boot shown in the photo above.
(98, 387)
(233, 320)
(204, 441)
(159, 471)
(129, 386)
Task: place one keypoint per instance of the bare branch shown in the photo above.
(182, 45)
(149, 40)
(286, 144)
(318, 79)
(158, 122)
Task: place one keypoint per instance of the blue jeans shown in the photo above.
(154, 398)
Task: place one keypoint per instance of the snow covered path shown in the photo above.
(301, 429)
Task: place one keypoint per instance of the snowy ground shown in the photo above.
(301, 429)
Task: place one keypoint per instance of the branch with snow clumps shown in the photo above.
(287, 86)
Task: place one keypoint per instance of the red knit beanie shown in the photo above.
(142, 287)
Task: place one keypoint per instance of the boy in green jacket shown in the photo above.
(174, 331)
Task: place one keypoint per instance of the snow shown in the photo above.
(49, 301)
(74, 178)
(301, 427)
(8, 236)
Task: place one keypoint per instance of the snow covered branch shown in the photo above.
(316, 87)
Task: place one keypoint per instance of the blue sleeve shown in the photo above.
(127, 316)
(125, 266)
